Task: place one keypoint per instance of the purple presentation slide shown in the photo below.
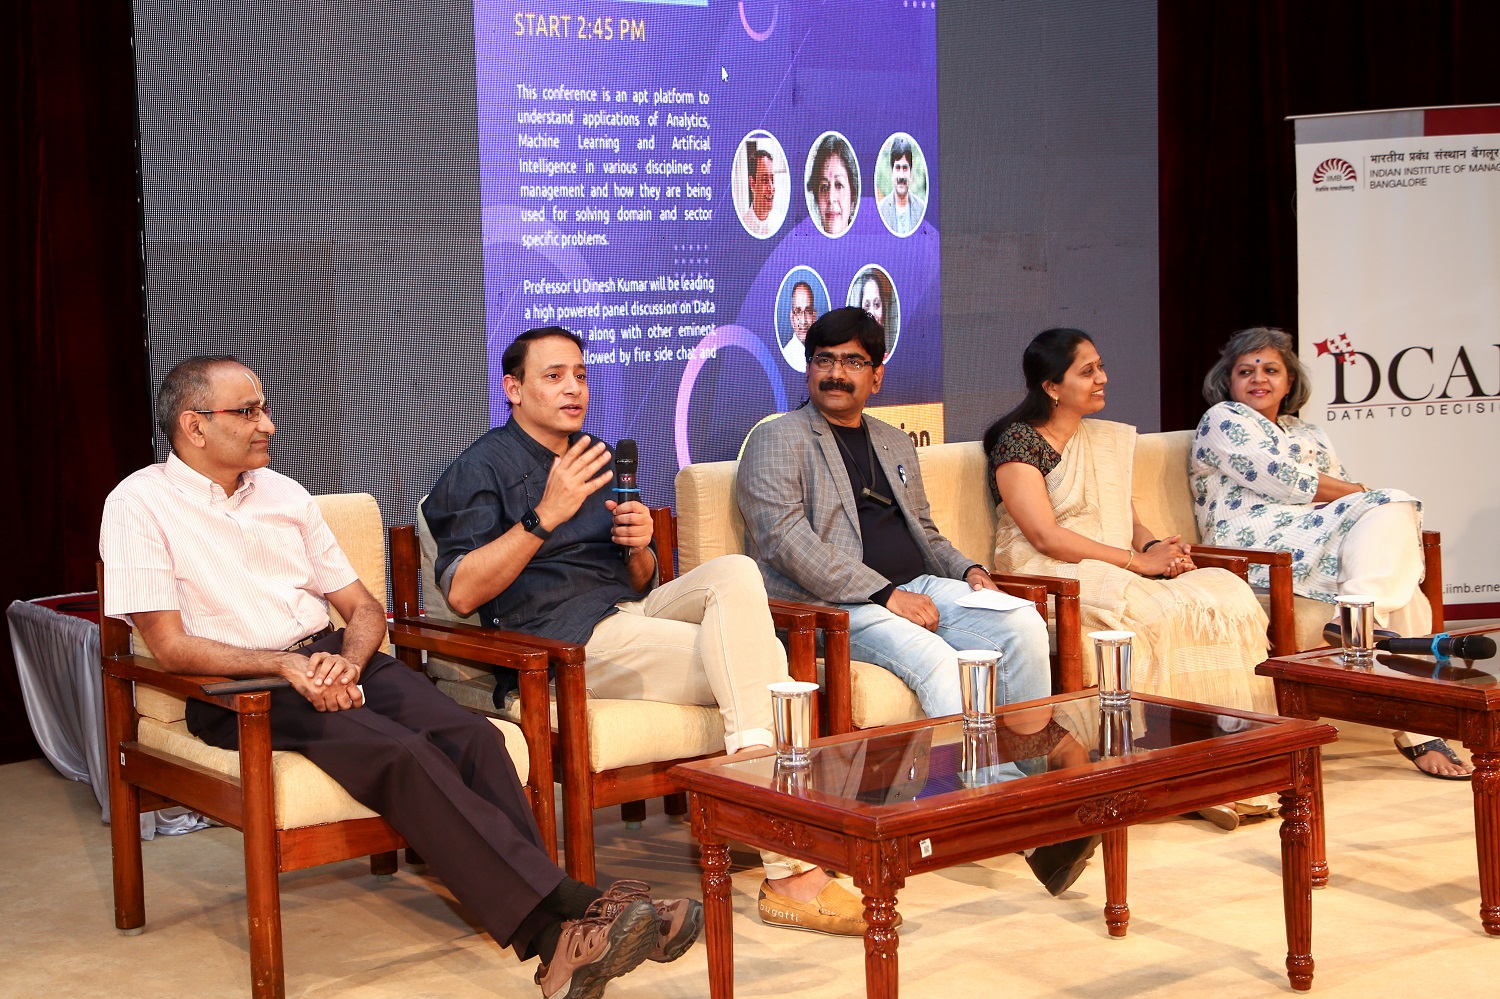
(687, 185)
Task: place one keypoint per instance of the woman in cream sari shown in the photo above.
(1062, 486)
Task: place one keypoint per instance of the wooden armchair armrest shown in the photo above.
(835, 709)
(1257, 556)
(150, 673)
(1035, 592)
(493, 648)
(1432, 578)
(801, 625)
(1068, 675)
(1236, 564)
(1279, 565)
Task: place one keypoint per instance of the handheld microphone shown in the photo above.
(627, 460)
(1443, 646)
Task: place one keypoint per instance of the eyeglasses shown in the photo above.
(825, 362)
(250, 413)
(811, 312)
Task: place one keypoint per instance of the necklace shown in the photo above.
(1057, 444)
(868, 491)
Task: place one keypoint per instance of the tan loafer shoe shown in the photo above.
(835, 910)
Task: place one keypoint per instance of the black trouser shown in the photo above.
(436, 772)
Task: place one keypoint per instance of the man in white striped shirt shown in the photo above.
(227, 569)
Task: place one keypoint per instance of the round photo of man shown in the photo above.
(873, 291)
(832, 181)
(803, 297)
(901, 184)
(760, 185)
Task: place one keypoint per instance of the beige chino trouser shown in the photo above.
(704, 638)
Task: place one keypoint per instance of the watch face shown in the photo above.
(530, 520)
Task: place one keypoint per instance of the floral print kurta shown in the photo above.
(1253, 484)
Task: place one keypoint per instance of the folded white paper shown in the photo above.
(993, 600)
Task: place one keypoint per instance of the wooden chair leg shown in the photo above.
(578, 834)
(578, 782)
(414, 860)
(633, 813)
(262, 891)
(124, 815)
(675, 805)
(383, 865)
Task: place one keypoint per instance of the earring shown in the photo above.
(1055, 401)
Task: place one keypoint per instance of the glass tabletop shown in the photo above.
(891, 768)
(1466, 672)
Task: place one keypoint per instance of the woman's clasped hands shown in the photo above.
(1168, 557)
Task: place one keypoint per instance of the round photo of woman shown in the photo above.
(802, 298)
(760, 185)
(832, 180)
(873, 290)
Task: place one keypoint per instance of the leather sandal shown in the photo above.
(1434, 746)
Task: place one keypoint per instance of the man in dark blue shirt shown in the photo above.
(526, 536)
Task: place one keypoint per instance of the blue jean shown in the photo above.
(926, 660)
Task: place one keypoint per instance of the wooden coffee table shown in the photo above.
(893, 802)
(1455, 699)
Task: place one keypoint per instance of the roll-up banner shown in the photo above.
(1398, 248)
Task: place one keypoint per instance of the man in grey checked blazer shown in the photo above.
(835, 513)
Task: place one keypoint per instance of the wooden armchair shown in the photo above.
(859, 694)
(291, 813)
(1164, 500)
(610, 751)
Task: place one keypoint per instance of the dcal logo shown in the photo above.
(1334, 174)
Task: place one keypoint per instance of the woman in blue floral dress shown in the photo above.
(1264, 478)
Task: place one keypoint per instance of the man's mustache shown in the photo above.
(835, 385)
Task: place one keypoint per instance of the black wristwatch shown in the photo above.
(533, 523)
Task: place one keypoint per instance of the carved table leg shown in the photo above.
(1296, 880)
(1319, 844)
(717, 914)
(1116, 868)
(1486, 781)
(878, 875)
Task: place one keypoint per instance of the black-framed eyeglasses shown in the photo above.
(250, 413)
(825, 362)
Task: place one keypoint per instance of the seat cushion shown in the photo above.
(625, 733)
(305, 795)
(879, 697)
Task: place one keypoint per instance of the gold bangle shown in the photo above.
(1130, 559)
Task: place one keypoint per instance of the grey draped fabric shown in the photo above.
(57, 658)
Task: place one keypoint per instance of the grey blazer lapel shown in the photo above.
(834, 461)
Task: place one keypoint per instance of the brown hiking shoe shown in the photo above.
(679, 920)
(596, 948)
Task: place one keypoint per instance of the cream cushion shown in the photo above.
(618, 729)
(709, 525)
(1164, 502)
(305, 795)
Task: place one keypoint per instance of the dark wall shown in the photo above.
(1230, 75)
(1047, 114)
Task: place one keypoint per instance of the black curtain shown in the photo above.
(73, 365)
(1229, 74)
